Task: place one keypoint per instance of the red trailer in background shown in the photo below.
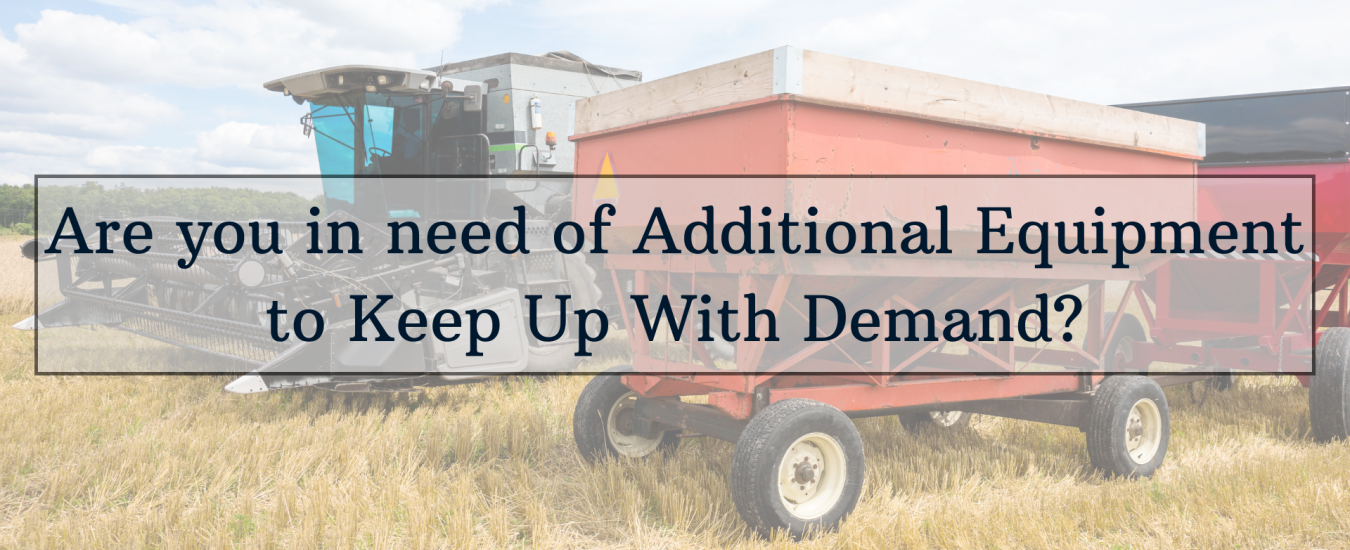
(815, 136)
(1249, 138)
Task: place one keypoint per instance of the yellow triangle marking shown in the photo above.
(606, 187)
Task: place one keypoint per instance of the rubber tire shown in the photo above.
(585, 295)
(755, 463)
(917, 421)
(1329, 390)
(1130, 327)
(591, 416)
(1107, 418)
(914, 422)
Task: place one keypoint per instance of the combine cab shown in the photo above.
(394, 145)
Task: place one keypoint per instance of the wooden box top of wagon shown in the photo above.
(803, 115)
(835, 81)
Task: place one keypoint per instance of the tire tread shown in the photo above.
(1103, 414)
(752, 457)
(588, 421)
(1329, 390)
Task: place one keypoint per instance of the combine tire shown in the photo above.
(602, 424)
(1128, 426)
(1329, 391)
(799, 467)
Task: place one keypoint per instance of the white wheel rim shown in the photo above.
(619, 428)
(811, 475)
(946, 419)
(1143, 431)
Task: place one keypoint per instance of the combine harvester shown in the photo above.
(467, 142)
(789, 129)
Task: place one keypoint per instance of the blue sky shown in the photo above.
(149, 86)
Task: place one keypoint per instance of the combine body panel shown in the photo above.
(512, 81)
(531, 98)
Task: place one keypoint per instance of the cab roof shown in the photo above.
(344, 78)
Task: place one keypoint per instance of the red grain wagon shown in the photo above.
(803, 133)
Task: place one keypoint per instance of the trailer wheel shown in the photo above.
(799, 467)
(602, 422)
(1129, 332)
(1329, 390)
(947, 420)
(1128, 426)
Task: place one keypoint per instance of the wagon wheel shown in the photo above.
(602, 424)
(946, 420)
(1122, 343)
(798, 467)
(1329, 390)
(1128, 426)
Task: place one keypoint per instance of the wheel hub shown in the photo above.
(946, 419)
(623, 421)
(619, 429)
(804, 461)
(1143, 431)
(811, 475)
(806, 473)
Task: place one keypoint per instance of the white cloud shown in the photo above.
(1152, 50)
(82, 93)
(278, 149)
(41, 101)
(37, 143)
(139, 159)
(230, 148)
(1105, 53)
(239, 44)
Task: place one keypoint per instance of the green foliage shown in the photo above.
(16, 206)
(92, 200)
(17, 229)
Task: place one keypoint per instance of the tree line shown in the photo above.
(93, 200)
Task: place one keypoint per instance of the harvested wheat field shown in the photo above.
(175, 462)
